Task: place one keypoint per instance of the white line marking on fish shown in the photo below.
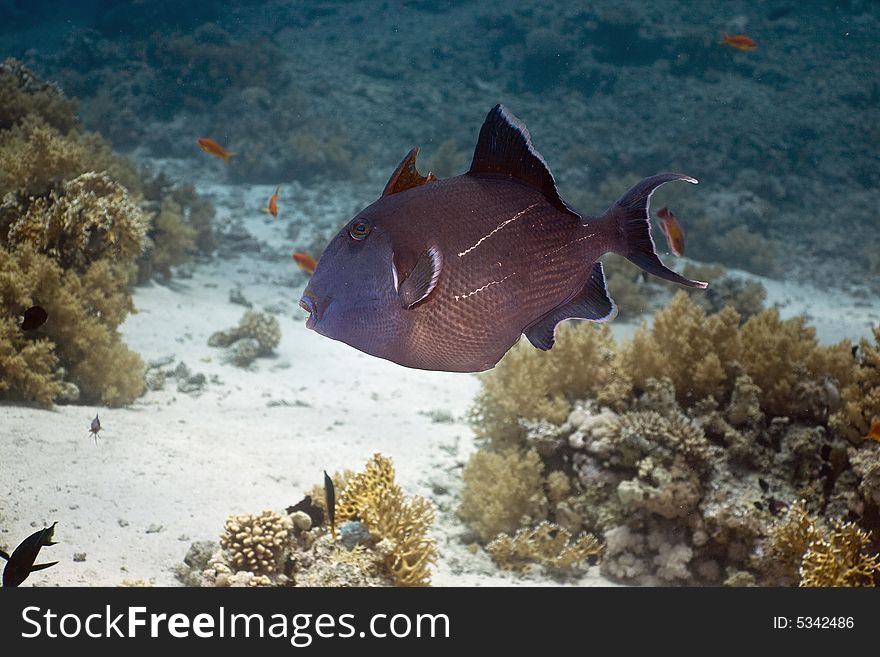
(459, 297)
(567, 244)
(499, 227)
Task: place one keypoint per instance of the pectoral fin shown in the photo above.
(42, 566)
(592, 303)
(422, 279)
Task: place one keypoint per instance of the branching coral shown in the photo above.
(860, 396)
(402, 524)
(840, 558)
(546, 544)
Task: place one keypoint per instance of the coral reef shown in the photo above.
(383, 541)
(257, 334)
(257, 543)
(547, 545)
(746, 297)
(72, 232)
(681, 449)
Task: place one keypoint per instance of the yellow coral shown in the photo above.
(532, 385)
(502, 491)
(373, 498)
(840, 559)
(22, 94)
(257, 543)
(92, 218)
(546, 544)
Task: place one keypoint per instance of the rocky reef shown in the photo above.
(257, 334)
(380, 539)
(75, 228)
(692, 451)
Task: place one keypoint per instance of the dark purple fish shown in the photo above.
(34, 318)
(21, 563)
(447, 274)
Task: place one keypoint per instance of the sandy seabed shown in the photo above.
(169, 469)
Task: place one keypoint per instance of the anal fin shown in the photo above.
(591, 303)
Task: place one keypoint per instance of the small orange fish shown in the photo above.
(273, 204)
(211, 147)
(306, 262)
(672, 230)
(874, 433)
(739, 41)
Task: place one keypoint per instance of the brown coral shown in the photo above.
(502, 492)
(840, 558)
(400, 524)
(257, 543)
(546, 544)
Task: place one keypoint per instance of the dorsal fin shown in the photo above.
(505, 148)
(406, 175)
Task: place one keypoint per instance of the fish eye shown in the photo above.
(359, 229)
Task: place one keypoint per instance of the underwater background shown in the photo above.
(726, 436)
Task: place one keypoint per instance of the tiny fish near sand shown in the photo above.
(447, 274)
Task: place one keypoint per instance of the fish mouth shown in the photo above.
(315, 306)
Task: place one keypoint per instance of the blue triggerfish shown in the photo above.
(447, 274)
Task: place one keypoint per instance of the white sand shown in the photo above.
(168, 470)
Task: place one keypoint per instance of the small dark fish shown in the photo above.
(21, 563)
(95, 427)
(855, 351)
(448, 274)
(312, 510)
(330, 498)
(34, 318)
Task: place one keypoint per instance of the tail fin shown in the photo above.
(630, 212)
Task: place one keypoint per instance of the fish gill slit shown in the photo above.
(497, 228)
(460, 297)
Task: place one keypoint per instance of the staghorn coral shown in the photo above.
(257, 543)
(548, 545)
(257, 334)
(840, 558)
(402, 524)
(503, 492)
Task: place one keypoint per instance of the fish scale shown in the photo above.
(535, 281)
(448, 274)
